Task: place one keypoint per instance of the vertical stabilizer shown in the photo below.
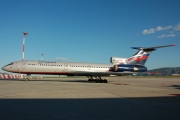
(139, 58)
(142, 55)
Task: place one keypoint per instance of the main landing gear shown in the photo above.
(27, 78)
(97, 79)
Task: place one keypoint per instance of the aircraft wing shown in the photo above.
(83, 73)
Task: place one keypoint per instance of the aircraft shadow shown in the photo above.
(12, 79)
(175, 86)
(147, 108)
(49, 80)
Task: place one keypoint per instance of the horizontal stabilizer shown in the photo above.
(151, 48)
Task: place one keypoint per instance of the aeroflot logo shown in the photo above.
(117, 60)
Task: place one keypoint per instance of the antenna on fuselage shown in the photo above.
(42, 56)
(24, 33)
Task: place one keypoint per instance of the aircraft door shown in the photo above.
(65, 66)
(89, 67)
(23, 65)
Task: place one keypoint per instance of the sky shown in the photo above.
(90, 30)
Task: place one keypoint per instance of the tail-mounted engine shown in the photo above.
(130, 68)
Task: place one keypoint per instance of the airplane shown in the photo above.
(94, 71)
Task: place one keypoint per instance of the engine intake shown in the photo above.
(117, 60)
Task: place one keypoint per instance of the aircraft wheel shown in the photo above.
(105, 81)
(101, 81)
(97, 81)
(27, 79)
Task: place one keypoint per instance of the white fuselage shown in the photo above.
(52, 67)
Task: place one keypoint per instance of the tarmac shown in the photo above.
(74, 98)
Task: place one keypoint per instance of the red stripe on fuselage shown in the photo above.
(138, 58)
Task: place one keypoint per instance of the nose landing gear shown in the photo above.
(27, 78)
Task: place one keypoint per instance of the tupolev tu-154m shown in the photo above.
(117, 67)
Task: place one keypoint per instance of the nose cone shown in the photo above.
(3, 68)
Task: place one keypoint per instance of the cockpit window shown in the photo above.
(9, 64)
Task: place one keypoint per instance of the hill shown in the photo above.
(167, 71)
